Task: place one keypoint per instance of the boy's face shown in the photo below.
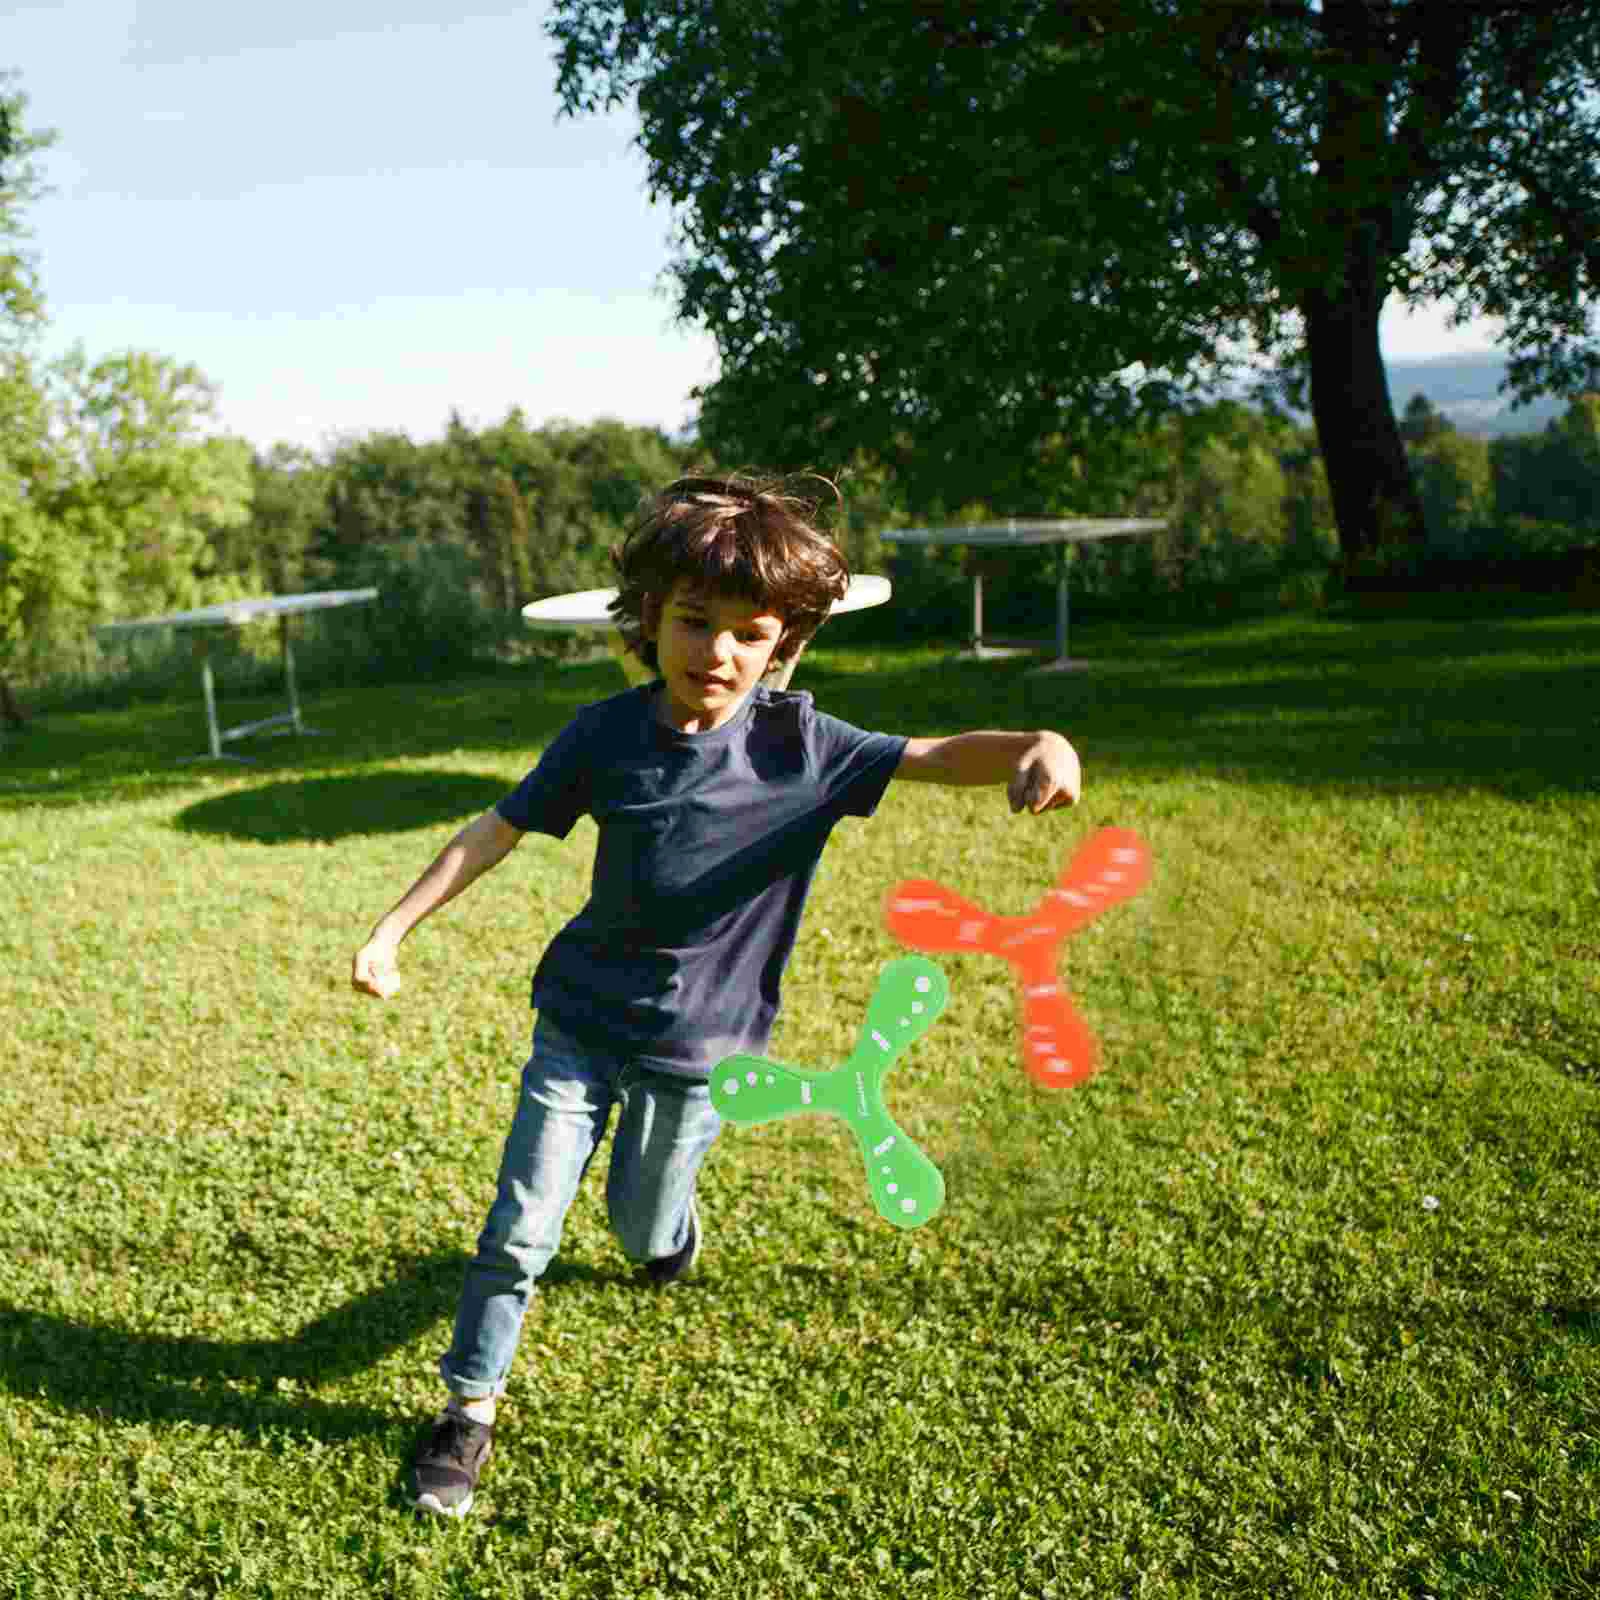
(713, 649)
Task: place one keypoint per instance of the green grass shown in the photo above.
(1299, 1296)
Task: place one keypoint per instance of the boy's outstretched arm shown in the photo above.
(1040, 770)
(483, 843)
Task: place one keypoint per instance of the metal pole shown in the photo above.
(210, 687)
(1061, 602)
(288, 672)
(977, 614)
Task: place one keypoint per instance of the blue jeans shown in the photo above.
(568, 1090)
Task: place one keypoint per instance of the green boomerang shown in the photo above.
(905, 1184)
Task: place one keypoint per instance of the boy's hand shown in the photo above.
(374, 970)
(1046, 777)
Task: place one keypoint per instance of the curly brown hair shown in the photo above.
(758, 540)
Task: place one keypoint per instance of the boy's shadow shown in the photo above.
(253, 1385)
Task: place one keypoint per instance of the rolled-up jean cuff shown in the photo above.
(466, 1388)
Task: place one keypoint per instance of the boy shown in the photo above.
(714, 797)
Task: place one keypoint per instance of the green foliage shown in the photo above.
(1552, 478)
(22, 311)
(1296, 1298)
(1422, 421)
(949, 237)
(32, 564)
(537, 509)
(126, 491)
(1456, 482)
(288, 507)
(428, 622)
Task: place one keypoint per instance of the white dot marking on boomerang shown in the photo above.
(1126, 856)
(731, 1086)
(924, 984)
(905, 1022)
(879, 1149)
(1055, 1066)
(1041, 991)
(771, 1080)
(891, 1188)
(917, 1008)
(1113, 877)
(1072, 897)
(805, 1094)
(968, 932)
(879, 1040)
(908, 1205)
(750, 1078)
(886, 1168)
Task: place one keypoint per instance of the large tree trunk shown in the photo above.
(1375, 502)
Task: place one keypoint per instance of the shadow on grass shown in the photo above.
(111, 757)
(1505, 704)
(1499, 701)
(250, 1385)
(337, 807)
(253, 1385)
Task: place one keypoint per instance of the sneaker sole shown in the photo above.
(436, 1508)
(699, 1240)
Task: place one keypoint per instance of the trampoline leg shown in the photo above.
(288, 674)
(1061, 602)
(208, 683)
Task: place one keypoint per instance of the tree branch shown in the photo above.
(1442, 31)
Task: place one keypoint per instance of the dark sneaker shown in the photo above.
(444, 1471)
(668, 1269)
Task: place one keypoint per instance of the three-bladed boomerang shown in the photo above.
(905, 1184)
(1058, 1049)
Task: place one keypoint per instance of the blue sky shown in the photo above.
(358, 214)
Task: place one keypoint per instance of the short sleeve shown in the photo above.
(852, 765)
(556, 793)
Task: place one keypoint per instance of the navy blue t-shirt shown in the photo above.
(708, 845)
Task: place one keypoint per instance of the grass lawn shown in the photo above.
(1299, 1296)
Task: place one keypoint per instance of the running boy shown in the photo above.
(714, 797)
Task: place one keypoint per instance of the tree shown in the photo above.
(945, 233)
(1456, 485)
(137, 479)
(30, 561)
(23, 542)
(1423, 421)
(111, 493)
(288, 514)
(21, 301)
(1547, 484)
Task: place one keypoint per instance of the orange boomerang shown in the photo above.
(1058, 1049)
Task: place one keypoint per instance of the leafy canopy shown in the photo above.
(949, 234)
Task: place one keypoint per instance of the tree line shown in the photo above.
(119, 496)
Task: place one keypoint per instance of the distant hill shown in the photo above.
(1467, 390)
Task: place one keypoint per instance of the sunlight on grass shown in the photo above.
(1299, 1296)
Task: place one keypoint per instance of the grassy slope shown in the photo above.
(1299, 1296)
